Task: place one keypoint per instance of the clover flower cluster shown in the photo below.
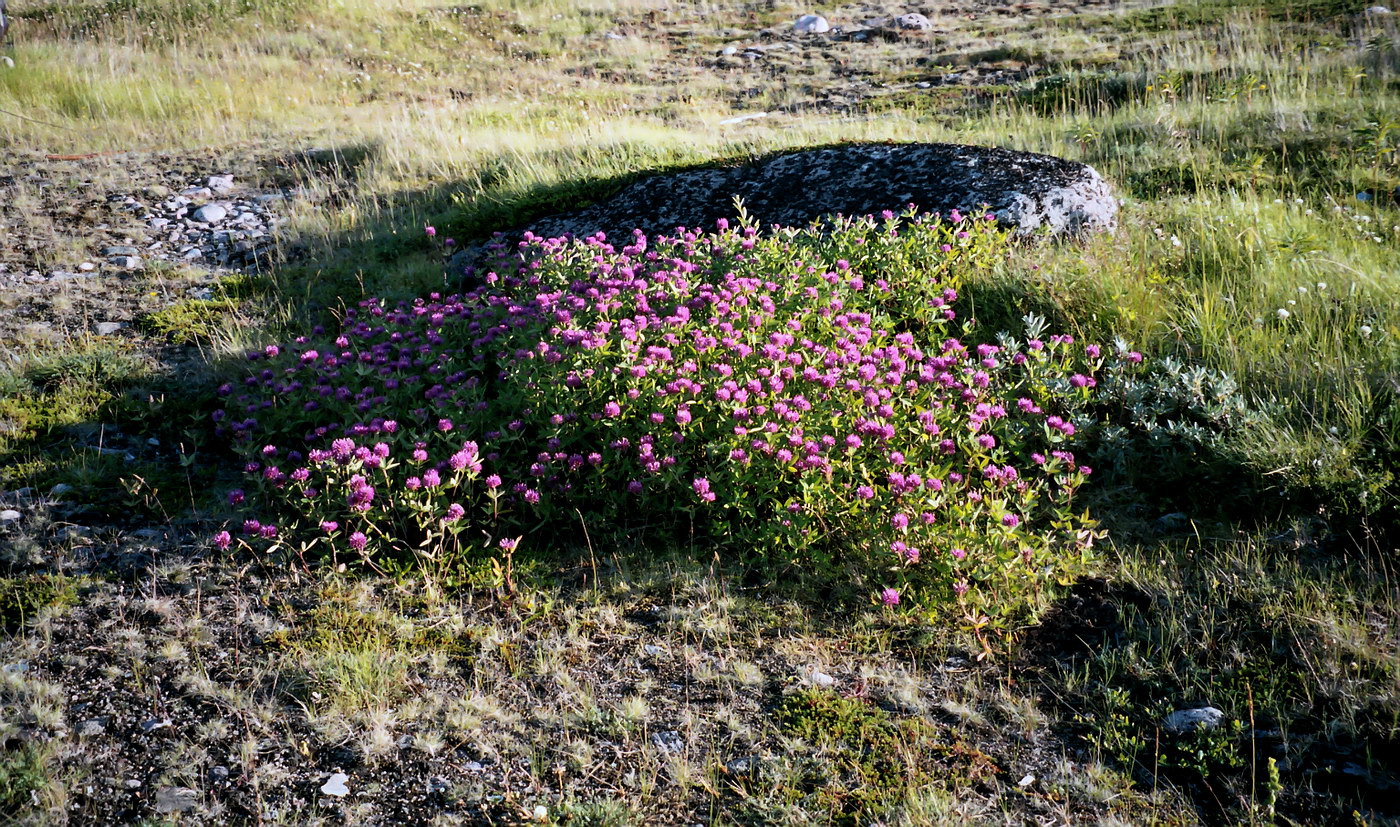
(797, 398)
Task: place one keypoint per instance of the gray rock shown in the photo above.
(197, 192)
(1377, 11)
(220, 184)
(811, 24)
(335, 785)
(1172, 523)
(176, 800)
(10, 515)
(729, 50)
(209, 213)
(1026, 191)
(107, 328)
(126, 262)
(820, 678)
(1186, 720)
(59, 489)
(219, 773)
(747, 765)
(121, 250)
(913, 22)
(92, 727)
(147, 727)
(668, 741)
(62, 276)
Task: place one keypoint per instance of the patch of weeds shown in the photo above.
(356, 657)
(192, 321)
(599, 813)
(864, 760)
(23, 597)
(1177, 434)
(24, 770)
(243, 286)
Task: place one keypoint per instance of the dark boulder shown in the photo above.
(1028, 192)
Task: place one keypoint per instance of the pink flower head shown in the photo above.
(223, 540)
(358, 541)
(890, 597)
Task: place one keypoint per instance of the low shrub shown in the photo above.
(793, 400)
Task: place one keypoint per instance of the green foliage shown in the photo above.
(794, 398)
(1177, 434)
(863, 760)
(24, 769)
(24, 596)
(190, 321)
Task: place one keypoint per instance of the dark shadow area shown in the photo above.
(1290, 743)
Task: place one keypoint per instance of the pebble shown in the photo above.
(125, 262)
(220, 184)
(60, 489)
(176, 800)
(217, 774)
(87, 266)
(120, 250)
(822, 679)
(147, 727)
(107, 328)
(741, 766)
(1186, 720)
(913, 22)
(668, 741)
(92, 727)
(811, 24)
(335, 785)
(10, 515)
(210, 213)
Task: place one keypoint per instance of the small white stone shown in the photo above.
(820, 678)
(541, 812)
(335, 785)
(1027, 781)
(811, 24)
(9, 515)
(1186, 720)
